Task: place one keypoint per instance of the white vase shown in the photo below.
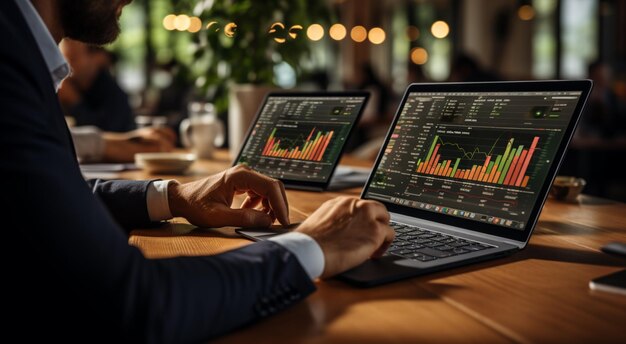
(243, 104)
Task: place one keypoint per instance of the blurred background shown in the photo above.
(227, 54)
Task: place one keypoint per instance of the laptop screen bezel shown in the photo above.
(319, 185)
(584, 86)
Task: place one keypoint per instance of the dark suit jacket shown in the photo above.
(67, 269)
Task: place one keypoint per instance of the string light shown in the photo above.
(168, 22)
(182, 22)
(419, 56)
(358, 34)
(376, 35)
(195, 25)
(526, 12)
(337, 32)
(315, 32)
(440, 29)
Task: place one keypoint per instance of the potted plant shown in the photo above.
(241, 44)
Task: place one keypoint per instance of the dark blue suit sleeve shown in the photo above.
(125, 200)
(67, 268)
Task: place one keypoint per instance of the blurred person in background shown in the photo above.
(91, 95)
(103, 127)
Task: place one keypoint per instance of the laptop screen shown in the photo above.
(481, 156)
(301, 138)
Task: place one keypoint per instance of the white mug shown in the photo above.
(202, 134)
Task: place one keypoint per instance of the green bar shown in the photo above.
(432, 148)
(519, 150)
(418, 164)
(489, 167)
(506, 154)
(272, 134)
(506, 167)
(456, 165)
(498, 160)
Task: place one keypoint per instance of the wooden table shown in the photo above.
(538, 295)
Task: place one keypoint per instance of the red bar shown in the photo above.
(318, 145)
(446, 170)
(310, 135)
(471, 174)
(484, 169)
(430, 162)
(268, 145)
(419, 167)
(511, 170)
(520, 161)
(525, 181)
(297, 156)
(477, 173)
(497, 177)
(432, 169)
(321, 153)
(527, 161)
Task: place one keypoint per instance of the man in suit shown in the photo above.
(68, 271)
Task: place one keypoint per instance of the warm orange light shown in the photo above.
(413, 33)
(315, 32)
(337, 32)
(182, 22)
(440, 29)
(419, 56)
(358, 34)
(168, 22)
(230, 30)
(376, 35)
(195, 25)
(293, 31)
(526, 12)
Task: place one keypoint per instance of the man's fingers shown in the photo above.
(247, 180)
(388, 235)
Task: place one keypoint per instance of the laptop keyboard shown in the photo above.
(424, 245)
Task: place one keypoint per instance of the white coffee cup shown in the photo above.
(202, 134)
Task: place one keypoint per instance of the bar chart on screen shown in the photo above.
(505, 158)
(293, 144)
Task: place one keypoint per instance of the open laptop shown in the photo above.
(465, 171)
(298, 137)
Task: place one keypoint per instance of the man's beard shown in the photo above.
(90, 21)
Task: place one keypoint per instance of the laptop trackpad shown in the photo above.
(378, 271)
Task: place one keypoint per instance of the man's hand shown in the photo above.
(349, 231)
(123, 147)
(207, 202)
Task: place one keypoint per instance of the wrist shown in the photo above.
(175, 199)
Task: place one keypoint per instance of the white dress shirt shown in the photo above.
(305, 248)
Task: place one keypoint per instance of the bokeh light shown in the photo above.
(315, 32)
(526, 12)
(358, 34)
(168, 22)
(412, 33)
(440, 29)
(419, 56)
(195, 25)
(182, 22)
(376, 35)
(337, 32)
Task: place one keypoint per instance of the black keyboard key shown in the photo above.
(444, 248)
(421, 241)
(459, 250)
(432, 244)
(434, 253)
(473, 247)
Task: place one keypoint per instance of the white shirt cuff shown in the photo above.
(306, 249)
(156, 198)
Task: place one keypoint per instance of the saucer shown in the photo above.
(165, 163)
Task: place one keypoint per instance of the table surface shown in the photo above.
(540, 294)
